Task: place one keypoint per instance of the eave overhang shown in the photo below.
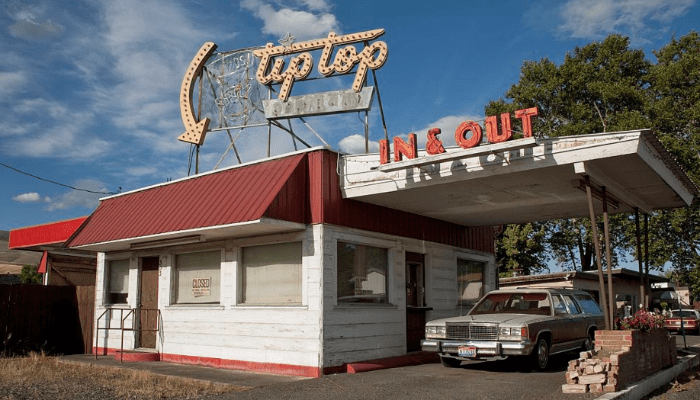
(519, 182)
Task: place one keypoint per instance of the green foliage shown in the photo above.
(522, 249)
(28, 274)
(600, 87)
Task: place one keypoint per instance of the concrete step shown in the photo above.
(137, 355)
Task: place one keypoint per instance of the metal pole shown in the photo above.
(608, 258)
(647, 290)
(596, 242)
(269, 125)
(366, 132)
(381, 108)
(639, 255)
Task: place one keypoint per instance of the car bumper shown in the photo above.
(483, 348)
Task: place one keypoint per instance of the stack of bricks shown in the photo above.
(620, 358)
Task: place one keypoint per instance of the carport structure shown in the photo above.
(527, 180)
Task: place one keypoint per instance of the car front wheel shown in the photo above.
(540, 354)
(450, 362)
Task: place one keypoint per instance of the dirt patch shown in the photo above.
(38, 376)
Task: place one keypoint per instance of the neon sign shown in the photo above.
(373, 56)
(462, 138)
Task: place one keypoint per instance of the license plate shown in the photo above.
(466, 351)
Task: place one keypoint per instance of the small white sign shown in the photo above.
(201, 287)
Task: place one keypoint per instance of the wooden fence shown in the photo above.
(55, 319)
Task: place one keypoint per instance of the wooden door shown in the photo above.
(148, 305)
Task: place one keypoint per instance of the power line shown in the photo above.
(55, 183)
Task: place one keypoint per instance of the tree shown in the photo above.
(28, 274)
(674, 109)
(600, 87)
(522, 250)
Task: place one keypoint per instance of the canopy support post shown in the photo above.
(596, 242)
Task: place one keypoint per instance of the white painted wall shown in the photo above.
(357, 332)
(317, 333)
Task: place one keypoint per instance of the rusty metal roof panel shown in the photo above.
(239, 194)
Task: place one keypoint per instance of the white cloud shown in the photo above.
(315, 22)
(31, 22)
(79, 198)
(63, 135)
(595, 19)
(355, 144)
(31, 197)
(10, 82)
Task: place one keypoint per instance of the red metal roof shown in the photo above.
(46, 234)
(220, 198)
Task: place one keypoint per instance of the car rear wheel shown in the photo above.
(540, 354)
(450, 362)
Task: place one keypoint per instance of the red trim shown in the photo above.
(42, 264)
(51, 233)
(134, 356)
(273, 368)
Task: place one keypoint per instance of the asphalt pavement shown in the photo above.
(502, 379)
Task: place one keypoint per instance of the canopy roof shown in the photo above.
(525, 180)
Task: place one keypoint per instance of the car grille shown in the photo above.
(472, 331)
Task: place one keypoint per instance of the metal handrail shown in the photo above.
(109, 310)
(139, 329)
(122, 324)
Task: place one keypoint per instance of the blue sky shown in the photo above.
(89, 89)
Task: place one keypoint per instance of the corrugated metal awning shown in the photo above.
(226, 203)
(44, 237)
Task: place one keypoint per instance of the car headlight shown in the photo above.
(435, 332)
(519, 333)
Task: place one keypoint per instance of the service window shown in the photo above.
(271, 274)
(362, 273)
(118, 281)
(198, 277)
(470, 280)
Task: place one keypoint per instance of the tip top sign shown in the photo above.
(373, 56)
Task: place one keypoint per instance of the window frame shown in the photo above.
(107, 298)
(175, 277)
(240, 270)
(390, 247)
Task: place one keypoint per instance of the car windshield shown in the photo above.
(514, 303)
(686, 314)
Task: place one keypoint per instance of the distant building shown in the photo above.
(625, 285)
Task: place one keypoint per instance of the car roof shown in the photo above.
(531, 289)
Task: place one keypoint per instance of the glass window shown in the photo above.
(573, 307)
(470, 280)
(271, 274)
(198, 277)
(559, 305)
(118, 281)
(589, 305)
(362, 273)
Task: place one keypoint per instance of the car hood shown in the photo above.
(509, 319)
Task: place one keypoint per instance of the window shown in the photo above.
(198, 277)
(470, 280)
(589, 305)
(362, 273)
(118, 281)
(573, 308)
(271, 274)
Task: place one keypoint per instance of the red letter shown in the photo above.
(462, 130)
(407, 149)
(383, 151)
(434, 145)
(492, 129)
(525, 116)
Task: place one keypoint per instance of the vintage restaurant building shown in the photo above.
(305, 262)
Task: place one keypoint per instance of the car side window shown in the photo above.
(573, 307)
(559, 305)
(589, 305)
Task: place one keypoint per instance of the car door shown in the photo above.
(561, 334)
(578, 323)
